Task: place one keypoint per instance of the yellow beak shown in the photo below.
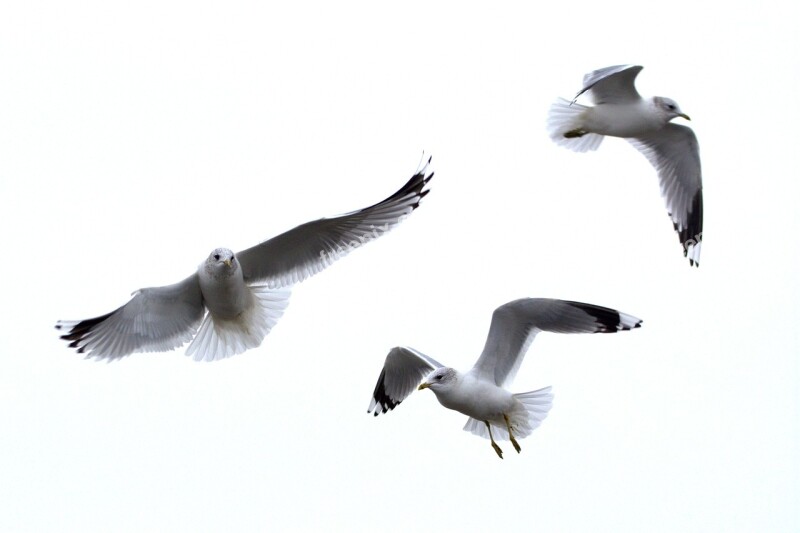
(227, 263)
(684, 115)
(423, 386)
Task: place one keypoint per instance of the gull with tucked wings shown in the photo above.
(235, 299)
(620, 111)
(480, 393)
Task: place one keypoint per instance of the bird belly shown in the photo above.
(621, 120)
(226, 298)
(479, 400)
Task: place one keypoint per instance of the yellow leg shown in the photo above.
(494, 444)
(511, 434)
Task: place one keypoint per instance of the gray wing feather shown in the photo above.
(402, 372)
(155, 319)
(515, 325)
(675, 154)
(611, 84)
(310, 248)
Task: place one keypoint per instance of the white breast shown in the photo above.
(225, 296)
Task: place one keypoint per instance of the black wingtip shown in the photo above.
(78, 332)
(692, 234)
(381, 397)
(608, 320)
(415, 185)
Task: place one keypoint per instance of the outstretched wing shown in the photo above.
(156, 319)
(515, 325)
(611, 85)
(675, 154)
(309, 248)
(402, 373)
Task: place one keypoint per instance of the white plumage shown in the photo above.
(620, 111)
(240, 295)
(480, 393)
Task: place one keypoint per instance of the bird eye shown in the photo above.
(672, 107)
(439, 377)
(216, 257)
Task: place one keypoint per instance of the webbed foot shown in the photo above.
(497, 449)
(511, 434)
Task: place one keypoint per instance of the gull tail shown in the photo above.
(529, 412)
(565, 117)
(219, 338)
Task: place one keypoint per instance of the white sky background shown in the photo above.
(136, 138)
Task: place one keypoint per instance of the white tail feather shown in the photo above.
(219, 338)
(530, 412)
(565, 116)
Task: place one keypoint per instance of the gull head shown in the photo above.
(221, 263)
(669, 108)
(441, 379)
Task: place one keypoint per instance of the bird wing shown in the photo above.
(309, 248)
(155, 319)
(515, 325)
(611, 85)
(402, 372)
(675, 154)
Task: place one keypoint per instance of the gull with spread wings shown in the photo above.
(235, 298)
(620, 111)
(480, 393)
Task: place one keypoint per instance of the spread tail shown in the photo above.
(564, 118)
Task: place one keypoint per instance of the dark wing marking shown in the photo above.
(515, 325)
(402, 372)
(675, 154)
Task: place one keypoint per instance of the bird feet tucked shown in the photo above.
(572, 134)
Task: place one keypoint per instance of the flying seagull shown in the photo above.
(480, 393)
(620, 111)
(235, 299)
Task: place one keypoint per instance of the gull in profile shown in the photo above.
(235, 299)
(620, 111)
(480, 393)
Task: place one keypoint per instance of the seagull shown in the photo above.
(480, 393)
(236, 298)
(620, 111)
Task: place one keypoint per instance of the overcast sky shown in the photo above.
(137, 137)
